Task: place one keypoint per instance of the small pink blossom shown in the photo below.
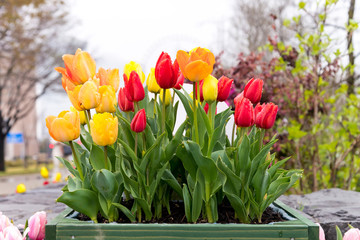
(321, 232)
(4, 222)
(37, 224)
(11, 233)
(352, 234)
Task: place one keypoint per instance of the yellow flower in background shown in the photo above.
(81, 113)
(109, 77)
(78, 68)
(104, 129)
(151, 83)
(86, 96)
(197, 64)
(108, 99)
(210, 88)
(167, 96)
(20, 188)
(133, 66)
(65, 127)
(57, 177)
(44, 172)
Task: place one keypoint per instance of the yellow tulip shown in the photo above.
(57, 177)
(210, 88)
(109, 77)
(79, 68)
(104, 129)
(197, 64)
(20, 188)
(108, 99)
(44, 172)
(65, 127)
(81, 113)
(133, 66)
(151, 83)
(167, 96)
(85, 97)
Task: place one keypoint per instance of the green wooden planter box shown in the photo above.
(62, 228)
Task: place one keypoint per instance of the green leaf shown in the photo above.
(187, 160)
(105, 183)
(83, 201)
(197, 201)
(126, 211)
(97, 158)
(85, 138)
(129, 151)
(74, 183)
(169, 178)
(68, 165)
(187, 203)
(338, 233)
(186, 103)
(302, 5)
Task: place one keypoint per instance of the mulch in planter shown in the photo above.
(177, 216)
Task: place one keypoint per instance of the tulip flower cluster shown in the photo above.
(132, 153)
(35, 230)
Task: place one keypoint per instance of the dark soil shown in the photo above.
(225, 212)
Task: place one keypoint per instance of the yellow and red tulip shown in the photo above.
(166, 72)
(86, 96)
(197, 64)
(104, 129)
(81, 113)
(65, 127)
(107, 99)
(78, 68)
(109, 77)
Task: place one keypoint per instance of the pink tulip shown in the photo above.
(11, 233)
(321, 232)
(37, 224)
(352, 234)
(4, 222)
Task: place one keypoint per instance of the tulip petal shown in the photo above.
(197, 70)
(182, 58)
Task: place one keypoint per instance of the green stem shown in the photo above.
(105, 154)
(262, 135)
(136, 107)
(163, 112)
(196, 137)
(173, 97)
(144, 141)
(136, 143)
(139, 214)
(210, 114)
(127, 195)
(76, 160)
(207, 203)
(233, 133)
(155, 104)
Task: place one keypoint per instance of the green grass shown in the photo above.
(16, 169)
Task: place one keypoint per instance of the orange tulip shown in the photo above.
(65, 127)
(109, 77)
(78, 68)
(107, 100)
(197, 64)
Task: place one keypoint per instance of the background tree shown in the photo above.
(32, 37)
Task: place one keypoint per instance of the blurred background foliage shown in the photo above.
(307, 62)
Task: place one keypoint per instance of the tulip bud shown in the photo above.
(321, 232)
(44, 172)
(65, 127)
(151, 83)
(37, 224)
(265, 115)
(133, 66)
(238, 98)
(224, 86)
(253, 90)
(200, 85)
(352, 234)
(134, 89)
(124, 104)
(244, 114)
(4, 222)
(11, 233)
(81, 113)
(179, 81)
(167, 96)
(138, 124)
(109, 77)
(20, 188)
(165, 72)
(210, 88)
(57, 177)
(206, 108)
(197, 64)
(104, 129)
(107, 99)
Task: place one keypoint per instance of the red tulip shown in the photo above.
(138, 124)
(224, 86)
(238, 98)
(124, 104)
(180, 81)
(265, 115)
(166, 73)
(134, 89)
(200, 84)
(206, 108)
(253, 90)
(244, 113)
